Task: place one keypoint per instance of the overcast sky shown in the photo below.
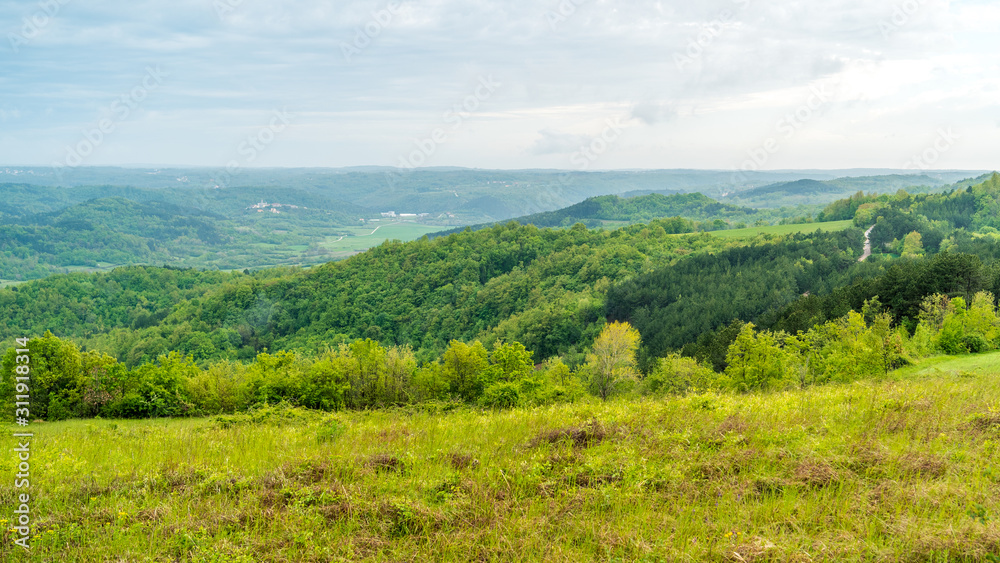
(574, 84)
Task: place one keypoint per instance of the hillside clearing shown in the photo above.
(830, 226)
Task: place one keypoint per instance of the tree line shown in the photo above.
(67, 382)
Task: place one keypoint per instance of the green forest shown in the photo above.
(513, 315)
(305, 218)
(568, 386)
(46, 231)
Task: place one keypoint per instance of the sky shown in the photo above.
(567, 84)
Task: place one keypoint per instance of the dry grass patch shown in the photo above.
(461, 461)
(589, 434)
(385, 463)
(816, 474)
(727, 464)
(310, 471)
(923, 465)
(733, 423)
(985, 422)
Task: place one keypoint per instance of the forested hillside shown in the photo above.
(688, 212)
(26, 200)
(515, 315)
(911, 226)
(594, 211)
(543, 288)
(54, 230)
(314, 217)
(550, 290)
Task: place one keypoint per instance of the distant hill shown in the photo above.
(812, 192)
(469, 195)
(597, 211)
(638, 209)
(27, 200)
(108, 231)
(804, 187)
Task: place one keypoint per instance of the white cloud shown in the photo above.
(561, 79)
(552, 142)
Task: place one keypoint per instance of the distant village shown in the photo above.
(264, 207)
(393, 215)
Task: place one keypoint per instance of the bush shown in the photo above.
(951, 339)
(976, 344)
(503, 395)
(132, 405)
(676, 374)
(59, 410)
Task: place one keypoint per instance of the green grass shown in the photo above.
(904, 469)
(784, 229)
(363, 238)
(954, 365)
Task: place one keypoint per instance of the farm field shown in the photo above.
(903, 469)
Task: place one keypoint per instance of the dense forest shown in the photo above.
(515, 313)
(911, 226)
(312, 217)
(544, 288)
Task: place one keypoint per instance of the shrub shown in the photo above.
(677, 374)
(503, 395)
(976, 344)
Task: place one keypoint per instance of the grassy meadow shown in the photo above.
(374, 234)
(750, 232)
(903, 469)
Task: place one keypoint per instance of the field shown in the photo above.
(363, 238)
(904, 469)
(784, 229)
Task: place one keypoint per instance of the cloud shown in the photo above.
(598, 60)
(557, 143)
(653, 113)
